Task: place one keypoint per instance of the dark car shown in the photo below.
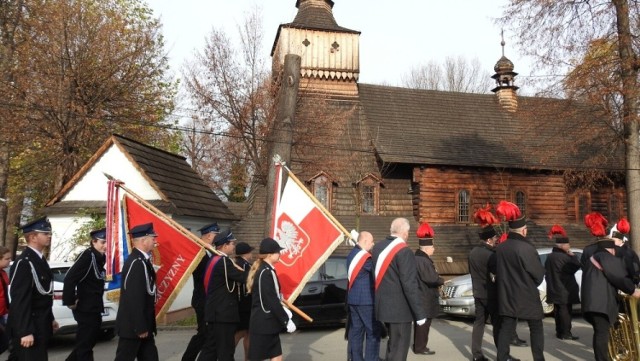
(323, 297)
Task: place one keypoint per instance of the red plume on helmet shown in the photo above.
(484, 217)
(557, 229)
(596, 223)
(502, 238)
(424, 231)
(508, 210)
(623, 226)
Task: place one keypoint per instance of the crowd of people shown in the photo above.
(391, 291)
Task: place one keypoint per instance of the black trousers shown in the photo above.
(197, 341)
(421, 336)
(562, 314)
(142, 349)
(601, 325)
(86, 335)
(399, 340)
(507, 329)
(483, 310)
(43, 329)
(220, 343)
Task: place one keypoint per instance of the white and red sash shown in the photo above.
(356, 265)
(385, 258)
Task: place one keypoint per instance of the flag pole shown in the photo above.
(316, 202)
(161, 214)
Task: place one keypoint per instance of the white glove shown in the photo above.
(288, 312)
(421, 322)
(291, 327)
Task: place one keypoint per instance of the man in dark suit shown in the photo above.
(82, 293)
(360, 300)
(562, 287)
(244, 257)
(397, 294)
(207, 234)
(519, 272)
(31, 321)
(222, 278)
(484, 290)
(136, 319)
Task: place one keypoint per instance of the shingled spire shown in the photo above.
(504, 77)
(329, 52)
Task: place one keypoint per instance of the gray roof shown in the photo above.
(185, 191)
(464, 129)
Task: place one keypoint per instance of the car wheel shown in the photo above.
(547, 308)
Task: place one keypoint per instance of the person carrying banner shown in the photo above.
(429, 281)
(519, 272)
(268, 316)
(221, 282)
(244, 257)
(562, 288)
(360, 301)
(397, 294)
(82, 293)
(136, 320)
(31, 321)
(207, 234)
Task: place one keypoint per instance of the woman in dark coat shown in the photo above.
(429, 281)
(268, 316)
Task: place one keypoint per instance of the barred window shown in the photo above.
(615, 207)
(464, 202)
(583, 206)
(321, 190)
(521, 201)
(368, 199)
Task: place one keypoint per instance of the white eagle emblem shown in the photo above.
(289, 239)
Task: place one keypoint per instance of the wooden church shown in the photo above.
(376, 152)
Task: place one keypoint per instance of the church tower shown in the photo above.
(504, 77)
(329, 52)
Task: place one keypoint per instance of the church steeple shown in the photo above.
(504, 77)
(329, 52)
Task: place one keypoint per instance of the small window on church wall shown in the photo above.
(464, 202)
(615, 207)
(368, 199)
(322, 191)
(582, 205)
(521, 201)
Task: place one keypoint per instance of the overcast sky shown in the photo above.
(396, 35)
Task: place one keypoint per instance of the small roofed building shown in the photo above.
(164, 179)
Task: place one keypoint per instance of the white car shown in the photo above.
(456, 297)
(64, 315)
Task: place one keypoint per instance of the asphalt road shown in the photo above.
(450, 338)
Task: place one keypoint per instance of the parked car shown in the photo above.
(456, 297)
(64, 315)
(323, 297)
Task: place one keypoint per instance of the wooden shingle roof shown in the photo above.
(183, 190)
(463, 129)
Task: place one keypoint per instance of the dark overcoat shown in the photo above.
(84, 282)
(221, 303)
(136, 311)
(429, 281)
(267, 315)
(602, 276)
(519, 272)
(398, 294)
(562, 287)
(481, 280)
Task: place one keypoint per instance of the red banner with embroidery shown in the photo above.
(306, 231)
(174, 258)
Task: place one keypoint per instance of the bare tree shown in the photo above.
(558, 32)
(233, 92)
(455, 74)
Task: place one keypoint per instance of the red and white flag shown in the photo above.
(306, 231)
(175, 257)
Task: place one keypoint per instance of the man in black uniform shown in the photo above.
(244, 257)
(519, 272)
(82, 292)
(562, 288)
(31, 321)
(484, 290)
(136, 319)
(222, 279)
(207, 234)
(603, 275)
